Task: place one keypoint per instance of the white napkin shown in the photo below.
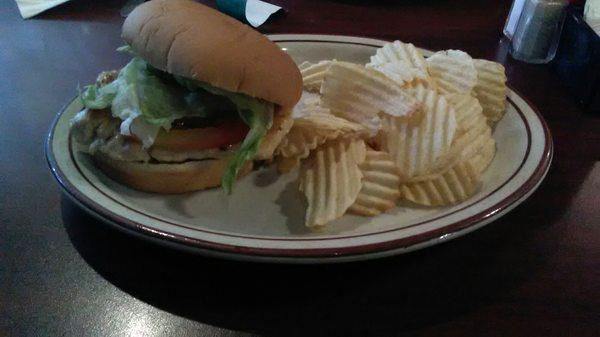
(257, 12)
(591, 14)
(29, 8)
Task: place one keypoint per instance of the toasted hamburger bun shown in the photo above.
(188, 39)
(185, 38)
(166, 178)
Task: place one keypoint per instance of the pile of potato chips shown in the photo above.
(402, 127)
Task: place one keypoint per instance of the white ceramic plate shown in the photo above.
(263, 219)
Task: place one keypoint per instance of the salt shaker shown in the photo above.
(538, 30)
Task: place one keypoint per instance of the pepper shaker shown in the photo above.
(537, 32)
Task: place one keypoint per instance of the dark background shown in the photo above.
(534, 272)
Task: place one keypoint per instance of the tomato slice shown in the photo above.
(223, 135)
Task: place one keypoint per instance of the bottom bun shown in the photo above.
(167, 178)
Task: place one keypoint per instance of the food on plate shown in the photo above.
(400, 71)
(360, 94)
(202, 98)
(484, 155)
(312, 74)
(380, 185)
(309, 104)
(468, 111)
(330, 179)
(400, 51)
(429, 138)
(416, 145)
(474, 141)
(205, 96)
(453, 71)
(312, 131)
(459, 182)
(491, 89)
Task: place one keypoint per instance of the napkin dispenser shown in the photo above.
(577, 60)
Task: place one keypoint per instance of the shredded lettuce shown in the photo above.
(256, 113)
(95, 97)
(259, 121)
(147, 99)
(141, 100)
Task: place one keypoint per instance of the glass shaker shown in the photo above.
(538, 30)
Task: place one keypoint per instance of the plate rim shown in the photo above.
(311, 255)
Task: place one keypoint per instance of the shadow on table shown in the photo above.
(402, 293)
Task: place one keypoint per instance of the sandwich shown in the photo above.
(203, 98)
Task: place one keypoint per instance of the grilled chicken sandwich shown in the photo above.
(201, 99)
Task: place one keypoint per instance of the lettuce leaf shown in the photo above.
(256, 113)
(147, 99)
(259, 120)
(95, 97)
(143, 94)
(143, 101)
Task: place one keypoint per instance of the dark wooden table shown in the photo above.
(535, 272)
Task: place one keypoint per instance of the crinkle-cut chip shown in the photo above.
(472, 144)
(474, 137)
(281, 125)
(380, 185)
(491, 89)
(458, 183)
(399, 51)
(309, 132)
(415, 145)
(453, 71)
(400, 71)
(468, 111)
(484, 156)
(308, 104)
(304, 65)
(468, 145)
(331, 180)
(312, 74)
(360, 94)
(465, 144)
(417, 86)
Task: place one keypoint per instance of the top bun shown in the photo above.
(188, 39)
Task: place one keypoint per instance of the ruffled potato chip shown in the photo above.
(468, 111)
(360, 94)
(453, 71)
(331, 180)
(304, 65)
(313, 73)
(416, 144)
(401, 72)
(458, 183)
(380, 185)
(311, 131)
(491, 89)
(309, 104)
(473, 141)
(400, 51)
(485, 155)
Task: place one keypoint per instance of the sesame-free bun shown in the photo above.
(185, 38)
(167, 178)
